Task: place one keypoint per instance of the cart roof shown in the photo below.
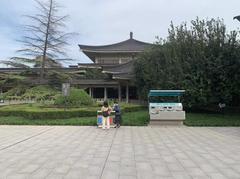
(166, 93)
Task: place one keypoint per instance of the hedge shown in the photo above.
(58, 113)
(133, 108)
(76, 98)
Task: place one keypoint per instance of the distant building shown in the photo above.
(114, 66)
(117, 61)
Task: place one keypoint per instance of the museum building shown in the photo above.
(117, 61)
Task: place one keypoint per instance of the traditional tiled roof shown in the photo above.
(100, 82)
(120, 68)
(122, 71)
(128, 46)
(16, 70)
(126, 76)
(94, 65)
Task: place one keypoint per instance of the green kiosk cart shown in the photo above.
(165, 107)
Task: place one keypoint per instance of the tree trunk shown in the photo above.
(46, 41)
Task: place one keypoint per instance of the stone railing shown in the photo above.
(11, 102)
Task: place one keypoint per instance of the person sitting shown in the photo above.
(106, 110)
(118, 116)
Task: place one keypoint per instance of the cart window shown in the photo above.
(163, 99)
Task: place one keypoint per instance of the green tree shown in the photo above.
(203, 59)
(44, 36)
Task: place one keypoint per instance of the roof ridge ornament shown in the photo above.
(131, 35)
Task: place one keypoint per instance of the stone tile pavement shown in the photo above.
(125, 153)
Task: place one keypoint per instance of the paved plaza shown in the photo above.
(125, 153)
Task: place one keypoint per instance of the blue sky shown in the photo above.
(101, 22)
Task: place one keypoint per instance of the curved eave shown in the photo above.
(120, 68)
(88, 67)
(110, 72)
(130, 46)
(125, 43)
(111, 51)
(120, 78)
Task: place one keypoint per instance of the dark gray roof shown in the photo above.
(17, 70)
(99, 83)
(122, 71)
(123, 76)
(130, 45)
(94, 65)
(119, 69)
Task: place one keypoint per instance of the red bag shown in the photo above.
(110, 120)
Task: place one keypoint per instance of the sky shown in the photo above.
(102, 22)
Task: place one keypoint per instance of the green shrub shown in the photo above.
(57, 78)
(77, 97)
(12, 98)
(37, 111)
(53, 114)
(16, 91)
(140, 118)
(40, 93)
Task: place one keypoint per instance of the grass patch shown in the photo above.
(130, 119)
(198, 119)
(140, 118)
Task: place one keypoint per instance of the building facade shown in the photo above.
(115, 60)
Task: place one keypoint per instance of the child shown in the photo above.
(117, 110)
(106, 110)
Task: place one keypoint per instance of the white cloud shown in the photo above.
(109, 21)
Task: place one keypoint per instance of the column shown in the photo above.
(119, 93)
(105, 94)
(90, 91)
(127, 94)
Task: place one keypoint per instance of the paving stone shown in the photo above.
(128, 171)
(81, 164)
(127, 177)
(146, 175)
(128, 152)
(17, 176)
(54, 176)
(62, 169)
(208, 168)
(114, 158)
(188, 163)
(217, 176)
(230, 173)
(92, 177)
(109, 175)
(112, 166)
(95, 170)
(77, 173)
(175, 167)
(144, 166)
(236, 167)
(195, 172)
(29, 168)
(127, 162)
(40, 173)
(162, 171)
(181, 175)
